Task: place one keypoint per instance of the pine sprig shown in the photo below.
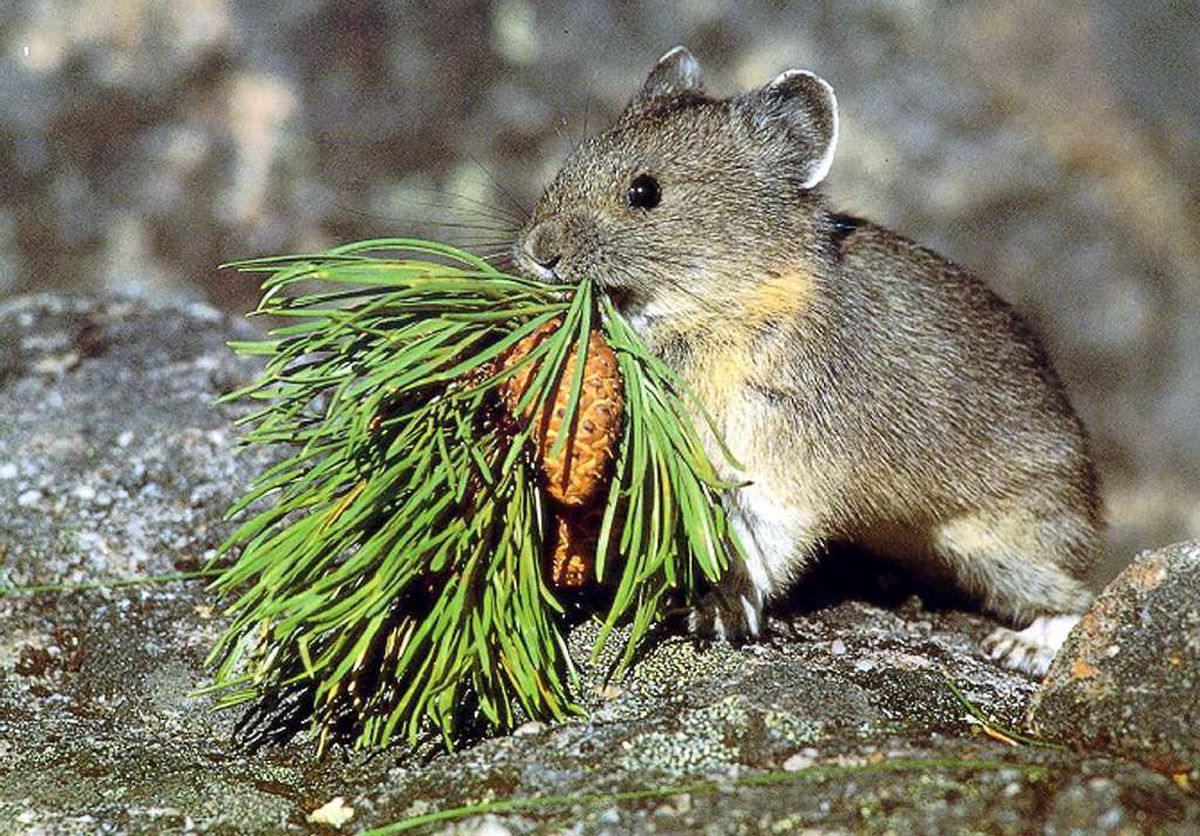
(390, 571)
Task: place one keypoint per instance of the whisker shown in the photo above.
(456, 214)
(491, 246)
(453, 204)
(483, 206)
(425, 222)
(475, 228)
(483, 238)
(458, 219)
(587, 106)
(503, 191)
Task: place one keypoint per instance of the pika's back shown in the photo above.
(943, 392)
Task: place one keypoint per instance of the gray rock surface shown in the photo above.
(1053, 148)
(1128, 679)
(115, 464)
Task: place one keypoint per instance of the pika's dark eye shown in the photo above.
(644, 192)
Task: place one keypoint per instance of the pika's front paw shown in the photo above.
(730, 617)
(1033, 649)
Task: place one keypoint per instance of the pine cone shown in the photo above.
(574, 551)
(575, 476)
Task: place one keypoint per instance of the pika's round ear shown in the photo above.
(801, 110)
(676, 72)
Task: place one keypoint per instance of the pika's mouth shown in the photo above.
(621, 298)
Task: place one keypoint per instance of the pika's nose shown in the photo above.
(544, 243)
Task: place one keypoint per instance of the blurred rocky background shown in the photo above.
(1054, 148)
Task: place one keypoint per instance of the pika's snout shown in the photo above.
(544, 243)
(552, 246)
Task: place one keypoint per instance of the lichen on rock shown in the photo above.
(1128, 678)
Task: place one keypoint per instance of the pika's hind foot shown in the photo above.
(1033, 649)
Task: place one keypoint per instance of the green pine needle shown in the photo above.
(390, 574)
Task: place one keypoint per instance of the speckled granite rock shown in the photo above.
(116, 464)
(1128, 679)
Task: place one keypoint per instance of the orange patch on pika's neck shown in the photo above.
(725, 349)
(780, 297)
(731, 319)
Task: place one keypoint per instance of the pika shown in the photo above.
(873, 392)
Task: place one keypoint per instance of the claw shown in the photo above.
(720, 618)
(1033, 649)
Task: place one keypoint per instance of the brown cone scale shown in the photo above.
(574, 478)
(574, 551)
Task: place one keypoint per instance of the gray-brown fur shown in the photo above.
(874, 391)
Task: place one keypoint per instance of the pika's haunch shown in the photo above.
(874, 392)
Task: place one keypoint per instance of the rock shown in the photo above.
(841, 720)
(333, 813)
(1128, 677)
